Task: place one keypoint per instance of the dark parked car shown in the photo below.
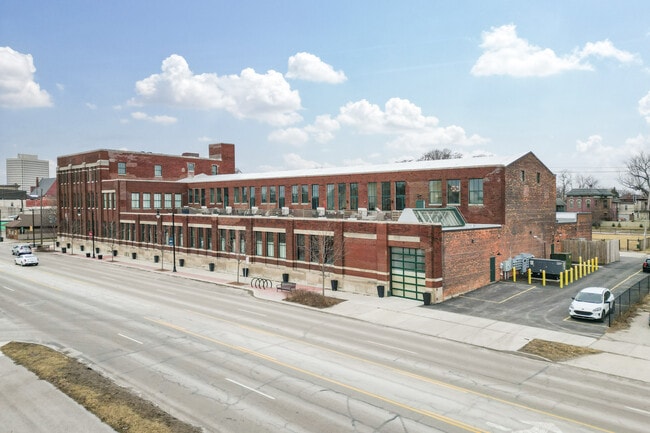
(646, 265)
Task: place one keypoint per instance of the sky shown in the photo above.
(308, 84)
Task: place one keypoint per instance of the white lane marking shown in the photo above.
(252, 312)
(391, 347)
(129, 338)
(250, 389)
(7, 288)
(637, 410)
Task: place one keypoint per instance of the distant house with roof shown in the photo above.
(600, 203)
(632, 207)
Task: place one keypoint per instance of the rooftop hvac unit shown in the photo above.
(229, 210)
(285, 211)
(321, 211)
(363, 212)
(254, 210)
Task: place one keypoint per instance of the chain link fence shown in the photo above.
(630, 297)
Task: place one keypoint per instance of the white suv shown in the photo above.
(592, 303)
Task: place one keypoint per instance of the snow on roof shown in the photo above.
(484, 161)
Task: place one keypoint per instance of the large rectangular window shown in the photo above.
(272, 196)
(244, 194)
(259, 246)
(135, 200)
(294, 194)
(146, 200)
(281, 197)
(237, 198)
(282, 245)
(157, 200)
(330, 196)
(178, 201)
(315, 201)
(270, 244)
(435, 192)
(354, 196)
(157, 170)
(264, 197)
(400, 195)
(222, 239)
(304, 199)
(342, 199)
(476, 191)
(453, 191)
(121, 168)
(168, 200)
(300, 247)
(385, 196)
(372, 195)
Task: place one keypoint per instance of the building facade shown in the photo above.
(25, 170)
(441, 227)
(599, 202)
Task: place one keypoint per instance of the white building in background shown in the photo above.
(25, 170)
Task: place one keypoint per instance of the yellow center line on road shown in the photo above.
(427, 413)
(374, 363)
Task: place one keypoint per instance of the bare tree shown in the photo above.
(326, 251)
(563, 184)
(637, 177)
(586, 182)
(440, 154)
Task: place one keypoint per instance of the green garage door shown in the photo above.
(407, 272)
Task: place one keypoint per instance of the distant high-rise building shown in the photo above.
(25, 170)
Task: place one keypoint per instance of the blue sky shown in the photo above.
(300, 84)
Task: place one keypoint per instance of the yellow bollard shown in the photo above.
(561, 280)
(543, 278)
(514, 275)
(571, 274)
(530, 276)
(596, 258)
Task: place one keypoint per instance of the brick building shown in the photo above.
(600, 203)
(430, 226)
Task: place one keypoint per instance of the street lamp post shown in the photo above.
(33, 230)
(92, 230)
(173, 241)
(162, 240)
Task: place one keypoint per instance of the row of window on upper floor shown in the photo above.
(340, 196)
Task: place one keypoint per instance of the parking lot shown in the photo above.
(546, 306)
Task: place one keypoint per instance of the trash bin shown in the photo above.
(156, 259)
(426, 297)
(181, 262)
(68, 245)
(97, 250)
(285, 278)
(63, 250)
(335, 285)
(211, 266)
(87, 254)
(114, 253)
(244, 272)
(81, 247)
(99, 256)
(380, 291)
(134, 255)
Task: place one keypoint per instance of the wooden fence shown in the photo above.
(607, 251)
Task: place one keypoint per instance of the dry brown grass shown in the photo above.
(554, 351)
(114, 405)
(312, 299)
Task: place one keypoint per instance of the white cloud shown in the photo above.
(139, 115)
(295, 161)
(306, 66)
(265, 97)
(644, 107)
(504, 53)
(292, 136)
(398, 115)
(323, 128)
(17, 86)
(91, 106)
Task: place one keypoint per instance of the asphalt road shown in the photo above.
(545, 306)
(222, 360)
